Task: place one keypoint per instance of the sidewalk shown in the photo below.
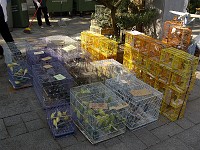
(23, 123)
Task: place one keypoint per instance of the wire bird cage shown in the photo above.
(42, 56)
(144, 101)
(60, 121)
(15, 51)
(98, 112)
(109, 68)
(52, 84)
(19, 75)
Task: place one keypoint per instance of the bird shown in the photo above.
(185, 16)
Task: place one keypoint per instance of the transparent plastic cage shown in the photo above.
(97, 112)
(58, 41)
(144, 101)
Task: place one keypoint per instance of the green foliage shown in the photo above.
(127, 20)
(193, 5)
(123, 7)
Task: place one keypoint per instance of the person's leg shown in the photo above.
(1, 52)
(38, 14)
(4, 30)
(45, 12)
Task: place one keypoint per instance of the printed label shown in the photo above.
(39, 53)
(47, 66)
(46, 58)
(98, 105)
(59, 77)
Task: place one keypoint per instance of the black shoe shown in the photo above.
(50, 26)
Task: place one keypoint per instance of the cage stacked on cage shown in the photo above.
(52, 84)
(109, 68)
(18, 70)
(15, 51)
(167, 69)
(82, 71)
(42, 56)
(101, 23)
(60, 121)
(176, 35)
(180, 83)
(100, 47)
(98, 112)
(144, 101)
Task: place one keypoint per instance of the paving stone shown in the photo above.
(171, 144)
(16, 130)
(10, 107)
(120, 146)
(85, 146)
(38, 140)
(160, 122)
(3, 131)
(146, 137)
(111, 142)
(79, 136)
(167, 130)
(67, 141)
(3, 134)
(191, 136)
(194, 94)
(192, 112)
(34, 125)
(184, 123)
(198, 78)
(14, 120)
(197, 146)
(42, 115)
(2, 125)
(29, 116)
(131, 141)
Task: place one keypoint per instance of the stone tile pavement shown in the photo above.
(23, 123)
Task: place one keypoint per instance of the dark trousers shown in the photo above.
(39, 14)
(4, 30)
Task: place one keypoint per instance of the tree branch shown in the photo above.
(118, 3)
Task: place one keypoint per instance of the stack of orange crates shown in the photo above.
(176, 35)
(99, 46)
(167, 69)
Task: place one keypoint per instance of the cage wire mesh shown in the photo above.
(98, 112)
(144, 101)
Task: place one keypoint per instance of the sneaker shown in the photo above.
(41, 27)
